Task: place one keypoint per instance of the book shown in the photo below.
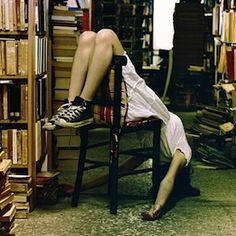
(62, 83)
(6, 10)
(1, 103)
(65, 40)
(23, 57)
(2, 58)
(6, 200)
(24, 146)
(9, 215)
(14, 143)
(11, 57)
(6, 191)
(60, 95)
(22, 178)
(19, 148)
(1, 16)
(22, 206)
(65, 32)
(38, 143)
(22, 196)
(64, 50)
(22, 214)
(5, 166)
(20, 187)
(22, 16)
(5, 102)
(230, 63)
(8, 228)
(24, 101)
(5, 209)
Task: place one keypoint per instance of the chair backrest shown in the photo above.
(103, 104)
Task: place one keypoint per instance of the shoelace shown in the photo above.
(73, 112)
(64, 106)
(61, 111)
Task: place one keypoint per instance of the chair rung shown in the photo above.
(133, 172)
(97, 144)
(95, 164)
(143, 152)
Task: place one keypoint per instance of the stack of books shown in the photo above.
(65, 25)
(7, 206)
(21, 186)
(211, 121)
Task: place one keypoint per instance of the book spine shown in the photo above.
(11, 57)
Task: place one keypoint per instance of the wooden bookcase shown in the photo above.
(132, 22)
(35, 101)
(224, 55)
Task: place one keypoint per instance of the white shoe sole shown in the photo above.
(49, 126)
(65, 124)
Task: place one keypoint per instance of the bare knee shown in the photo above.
(108, 37)
(87, 37)
(105, 36)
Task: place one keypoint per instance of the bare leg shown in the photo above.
(167, 184)
(92, 60)
(81, 63)
(107, 44)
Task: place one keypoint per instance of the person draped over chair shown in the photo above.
(92, 60)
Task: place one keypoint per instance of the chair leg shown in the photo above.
(113, 172)
(80, 168)
(156, 160)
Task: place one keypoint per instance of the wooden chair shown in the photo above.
(110, 111)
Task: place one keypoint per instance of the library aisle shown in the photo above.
(211, 213)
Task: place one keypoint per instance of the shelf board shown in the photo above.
(14, 33)
(9, 122)
(13, 77)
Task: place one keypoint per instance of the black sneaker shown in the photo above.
(50, 124)
(78, 114)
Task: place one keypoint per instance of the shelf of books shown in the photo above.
(132, 22)
(67, 21)
(224, 31)
(23, 98)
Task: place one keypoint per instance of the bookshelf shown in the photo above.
(132, 22)
(224, 32)
(217, 123)
(192, 76)
(24, 79)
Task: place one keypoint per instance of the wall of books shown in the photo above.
(23, 98)
(215, 125)
(132, 22)
(224, 31)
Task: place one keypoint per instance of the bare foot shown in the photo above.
(153, 214)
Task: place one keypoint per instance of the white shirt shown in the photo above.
(143, 103)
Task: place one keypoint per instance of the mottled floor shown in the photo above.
(211, 213)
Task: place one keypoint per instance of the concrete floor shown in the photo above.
(211, 213)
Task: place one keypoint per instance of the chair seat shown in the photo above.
(135, 123)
